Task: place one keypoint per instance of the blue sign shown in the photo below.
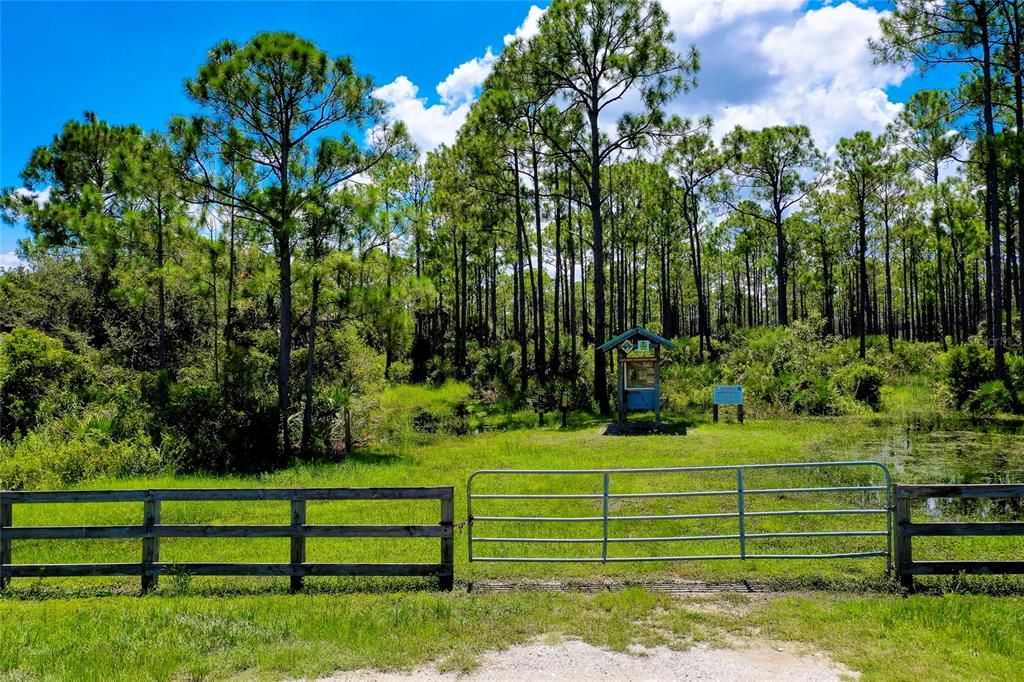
(728, 395)
(646, 399)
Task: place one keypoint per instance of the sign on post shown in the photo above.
(728, 394)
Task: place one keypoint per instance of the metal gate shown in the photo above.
(853, 491)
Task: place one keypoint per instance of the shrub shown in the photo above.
(203, 425)
(816, 397)
(968, 366)
(46, 458)
(915, 358)
(39, 379)
(991, 397)
(400, 370)
(494, 370)
(784, 368)
(862, 382)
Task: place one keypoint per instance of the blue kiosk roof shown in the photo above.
(634, 332)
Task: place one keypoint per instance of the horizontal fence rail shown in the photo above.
(151, 530)
(741, 494)
(905, 530)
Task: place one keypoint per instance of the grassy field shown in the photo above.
(275, 636)
(198, 628)
(450, 461)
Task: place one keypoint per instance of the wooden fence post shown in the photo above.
(902, 544)
(6, 517)
(150, 542)
(298, 543)
(447, 577)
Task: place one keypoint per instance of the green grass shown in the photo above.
(425, 397)
(951, 637)
(916, 397)
(450, 460)
(274, 636)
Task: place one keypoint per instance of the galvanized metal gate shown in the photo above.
(867, 496)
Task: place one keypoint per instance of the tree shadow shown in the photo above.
(643, 427)
(371, 457)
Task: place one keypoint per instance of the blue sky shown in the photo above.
(764, 61)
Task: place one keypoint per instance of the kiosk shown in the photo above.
(639, 371)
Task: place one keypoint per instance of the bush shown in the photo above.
(494, 370)
(862, 382)
(202, 425)
(968, 366)
(46, 458)
(915, 358)
(816, 397)
(785, 368)
(992, 397)
(400, 370)
(39, 380)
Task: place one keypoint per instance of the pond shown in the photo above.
(948, 450)
(945, 450)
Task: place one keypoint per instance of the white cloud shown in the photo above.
(10, 261)
(41, 197)
(429, 125)
(764, 62)
(775, 63)
(432, 125)
(830, 45)
(695, 17)
(463, 84)
(529, 27)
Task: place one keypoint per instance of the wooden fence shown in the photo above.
(905, 530)
(151, 530)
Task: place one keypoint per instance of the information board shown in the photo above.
(728, 394)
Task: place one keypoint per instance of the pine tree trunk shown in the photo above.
(307, 412)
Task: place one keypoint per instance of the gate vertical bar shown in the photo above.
(298, 553)
(469, 516)
(742, 519)
(888, 521)
(150, 543)
(6, 521)
(604, 544)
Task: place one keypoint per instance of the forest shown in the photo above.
(237, 290)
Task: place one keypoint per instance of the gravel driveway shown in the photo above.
(575, 660)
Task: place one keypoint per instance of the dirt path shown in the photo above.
(575, 660)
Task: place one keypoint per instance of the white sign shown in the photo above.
(627, 346)
(643, 345)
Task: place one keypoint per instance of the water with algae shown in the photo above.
(950, 450)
